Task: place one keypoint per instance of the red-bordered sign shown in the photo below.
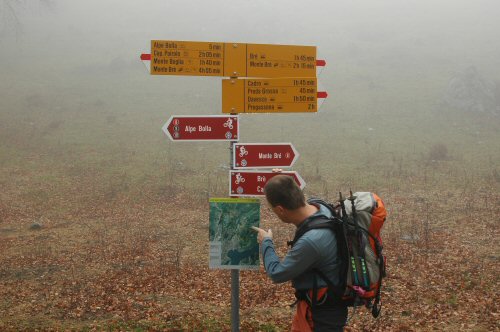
(251, 183)
(202, 128)
(264, 155)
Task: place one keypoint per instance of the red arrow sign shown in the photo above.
(202, 128)
(251, 183)
(264, 155)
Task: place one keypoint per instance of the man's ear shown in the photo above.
(279, 210)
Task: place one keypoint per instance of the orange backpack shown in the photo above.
(356, 223)
(363, 215)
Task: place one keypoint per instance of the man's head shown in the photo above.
(281, 190)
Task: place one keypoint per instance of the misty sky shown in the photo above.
(77, 62)
(75, 32)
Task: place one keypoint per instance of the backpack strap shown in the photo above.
(314, 222)
(310, 223)
(338, 291)
(318, 201)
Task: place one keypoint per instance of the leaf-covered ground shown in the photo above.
(143, 265)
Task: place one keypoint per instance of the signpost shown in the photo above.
(278, 95)
(173, 57)
(251, 183)
(202, 128)
(283, 80)
(264, 155)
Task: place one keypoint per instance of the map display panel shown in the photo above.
(233, 244)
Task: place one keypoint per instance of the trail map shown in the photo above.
(233, 244)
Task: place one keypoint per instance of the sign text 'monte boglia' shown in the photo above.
(170, 57)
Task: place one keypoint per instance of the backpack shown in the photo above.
(356, 223)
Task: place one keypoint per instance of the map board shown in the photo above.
(174, 57)
(233, 244)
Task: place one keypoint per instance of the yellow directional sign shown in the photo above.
(170, 57)
(187, 58)
(278, 95)
(279, 61)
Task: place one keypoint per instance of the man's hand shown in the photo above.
(261, 234)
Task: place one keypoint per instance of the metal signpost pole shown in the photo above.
(235, 275)
(235, 300)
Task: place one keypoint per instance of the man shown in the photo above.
(315, 250)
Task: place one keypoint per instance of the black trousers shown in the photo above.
(329, 318)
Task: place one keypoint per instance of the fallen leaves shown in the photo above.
(124, 265)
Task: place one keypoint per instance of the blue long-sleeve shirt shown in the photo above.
(317, 248)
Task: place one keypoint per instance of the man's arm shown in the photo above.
(298, 260)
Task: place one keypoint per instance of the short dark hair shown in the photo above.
(282, 190)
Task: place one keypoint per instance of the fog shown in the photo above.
(402, 34)
(104, 220)
(390, 60)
